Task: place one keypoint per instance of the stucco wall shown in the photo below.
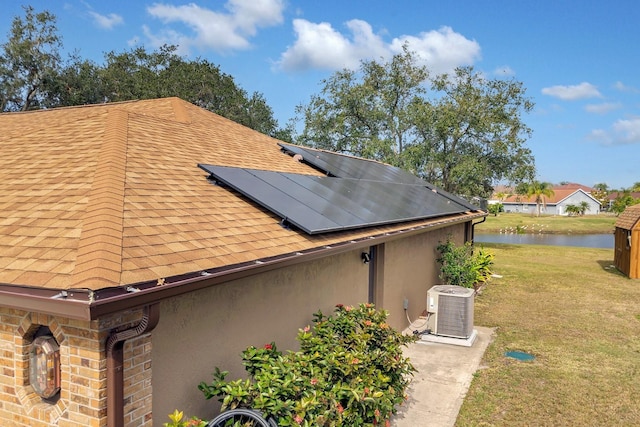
(211, 327)
(410, 270)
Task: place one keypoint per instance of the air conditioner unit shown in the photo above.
(451, 309)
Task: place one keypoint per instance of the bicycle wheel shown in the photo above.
(239, 418)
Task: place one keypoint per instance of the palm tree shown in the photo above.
(584, 207)
(572, 210)
(539, 190)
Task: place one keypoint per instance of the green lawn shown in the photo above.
(570, 308)
(526, 223)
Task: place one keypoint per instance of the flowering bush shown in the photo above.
(349, 371)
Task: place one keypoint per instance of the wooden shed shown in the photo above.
(627, 242)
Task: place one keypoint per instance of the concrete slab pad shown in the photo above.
(465, 342)
(444, 375)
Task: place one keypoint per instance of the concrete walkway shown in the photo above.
(438, 388)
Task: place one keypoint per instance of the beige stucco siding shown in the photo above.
(211, 327)
(410, 270)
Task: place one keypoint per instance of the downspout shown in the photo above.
(473, 228)
(115, 363)
(372, 275)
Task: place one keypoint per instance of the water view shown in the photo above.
(604, 241)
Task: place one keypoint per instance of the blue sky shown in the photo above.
(578, 60)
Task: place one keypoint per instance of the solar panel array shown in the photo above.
(342, 166)
(325, 204)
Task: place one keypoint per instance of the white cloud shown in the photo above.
(322, 46)
(571, 93)
(624, 88)
(214, 30)
(442, 50)
(627, 131)
(106, 22)
(602, 108)
(622, 132)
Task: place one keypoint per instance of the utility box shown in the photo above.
(627, 242)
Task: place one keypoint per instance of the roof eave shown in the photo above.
(84, 304)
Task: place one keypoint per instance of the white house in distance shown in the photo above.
(564, 195)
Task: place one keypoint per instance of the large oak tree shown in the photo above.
(461, 131)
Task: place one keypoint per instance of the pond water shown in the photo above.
(604, 241)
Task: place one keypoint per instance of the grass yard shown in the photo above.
(580, 318)
(527, 223)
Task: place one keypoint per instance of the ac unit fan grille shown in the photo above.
(455, 316)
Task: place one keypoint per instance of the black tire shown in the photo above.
(240, 418)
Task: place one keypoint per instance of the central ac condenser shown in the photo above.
(451, 309)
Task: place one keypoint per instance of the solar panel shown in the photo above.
(352, 167)
(325, 204)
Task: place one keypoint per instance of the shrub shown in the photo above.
(177, 421)
(349, 371)
(495, 208)
(461, 266)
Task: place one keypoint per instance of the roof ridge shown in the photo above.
(74, 107)
(180, 109)
(99, 257)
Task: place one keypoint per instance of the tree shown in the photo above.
(572, 210)
(369, 113)
(32, 76)
(621, 202)
(29, 60)
(583, 207)
(139, 74)
(465, 139)
(539, 190)
(600, 193)
(495, 208)
(474, 135)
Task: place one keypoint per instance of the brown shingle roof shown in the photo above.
(630, 218)
(574, 186)
(100, 196)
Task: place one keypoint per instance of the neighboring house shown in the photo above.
(128, 273)
(611, 197)
(555, 205)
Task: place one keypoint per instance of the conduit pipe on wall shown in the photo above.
(115, 362)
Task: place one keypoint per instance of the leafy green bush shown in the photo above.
(462, 266)
(350, 371)
(495, 208)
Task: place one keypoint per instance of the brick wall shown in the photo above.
(83, 395)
